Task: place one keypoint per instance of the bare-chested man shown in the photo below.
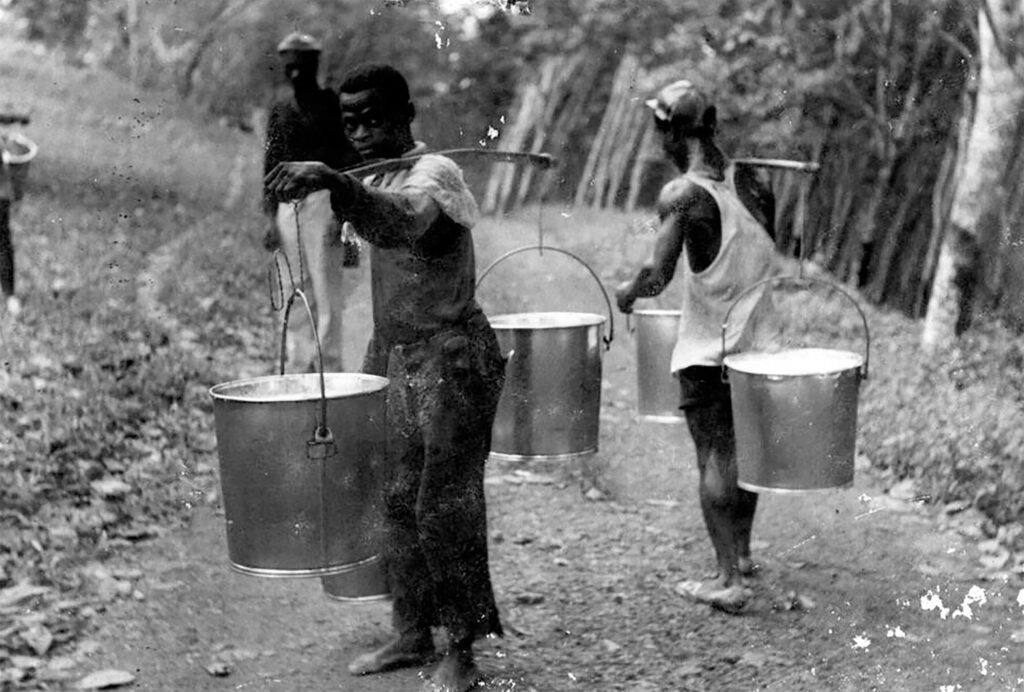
(716, 221)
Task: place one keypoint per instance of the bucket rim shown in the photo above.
(740, 362)
(658, 312)
(24, 141)
(570, 320)
(220, 391)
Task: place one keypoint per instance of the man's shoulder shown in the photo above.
(680, 194)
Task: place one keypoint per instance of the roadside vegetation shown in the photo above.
(105, 422)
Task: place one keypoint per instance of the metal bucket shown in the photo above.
(16, 154)
(301, 469)
(365, 582)
(657, 391)
(296, 506)
(550, 405)
(795, 413)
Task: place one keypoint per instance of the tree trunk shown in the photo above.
(979, 199)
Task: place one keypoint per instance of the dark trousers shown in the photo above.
(6, 250)
(442, 397)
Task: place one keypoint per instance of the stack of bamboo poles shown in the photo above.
(552, 109)
(875, 225)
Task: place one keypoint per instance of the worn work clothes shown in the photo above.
(309, 129)
(746, 255)
(442, 397)
(321, 264)
(436, 347)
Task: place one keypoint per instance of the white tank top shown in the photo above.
(746, 256)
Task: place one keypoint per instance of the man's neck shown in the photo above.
(705, 159)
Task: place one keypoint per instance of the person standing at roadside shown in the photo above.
(9, 194)
(436, 347)
(306, 126)
(716, 223)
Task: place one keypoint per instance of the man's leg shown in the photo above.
(324, 262)
(728, 509)
(451, 511)
(409, 578)
(6, 250)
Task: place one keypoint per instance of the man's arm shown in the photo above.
(386, 219)
(679, 208)
(273, 153)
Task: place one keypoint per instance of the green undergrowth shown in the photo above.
(105, 418)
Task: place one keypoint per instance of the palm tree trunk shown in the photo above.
(978, 201)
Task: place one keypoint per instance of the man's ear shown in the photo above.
(410, 111)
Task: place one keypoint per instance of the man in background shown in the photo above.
(306, 126)
(716, 224)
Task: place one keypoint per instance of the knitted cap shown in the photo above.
(299, 43)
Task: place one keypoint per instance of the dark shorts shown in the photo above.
(700, 385)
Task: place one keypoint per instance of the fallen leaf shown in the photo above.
(20, 592)
(595, 495)
(38, 638)
(997, 561)
(218, 669)
(610, 646)
(111, 488)
(688, 669)
(105, 679)
(753, 658)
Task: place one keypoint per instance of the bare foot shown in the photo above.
(457, 672)
(404, 652)
(747, 567)
(729, 599)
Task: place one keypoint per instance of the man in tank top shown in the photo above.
(716, 224)
(439, 352)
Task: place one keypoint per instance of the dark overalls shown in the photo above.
(439, 352)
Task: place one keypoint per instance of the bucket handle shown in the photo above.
(611, 319)
(322, 445)
(800, 281)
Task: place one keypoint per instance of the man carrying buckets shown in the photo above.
(306, 126)
(436, 347)
(722, 216)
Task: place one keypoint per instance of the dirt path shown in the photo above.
(858, 590)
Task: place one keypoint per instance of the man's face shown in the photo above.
(300, 67)
(374, 127)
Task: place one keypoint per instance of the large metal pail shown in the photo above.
(296, 506)
(302, 461)
(657, 391)
(364, 582)
(16, 154)
(795, 413)
(550, 405)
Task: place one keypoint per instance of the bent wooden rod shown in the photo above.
(542, 161)
(803, 166)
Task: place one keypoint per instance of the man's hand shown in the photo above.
(625, 296)
(293, 180)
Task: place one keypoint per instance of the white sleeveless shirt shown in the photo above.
(746, 256)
